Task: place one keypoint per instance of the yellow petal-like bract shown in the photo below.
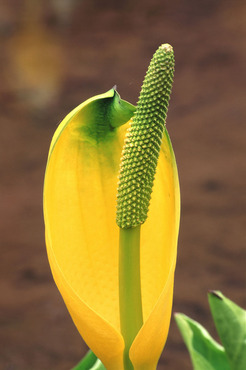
(82, 236)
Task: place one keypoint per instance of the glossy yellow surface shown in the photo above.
(82, 240)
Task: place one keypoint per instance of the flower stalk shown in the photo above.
(131, 315)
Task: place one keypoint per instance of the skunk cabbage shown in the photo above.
(82, 237)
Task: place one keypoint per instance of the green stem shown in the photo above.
(131, 316)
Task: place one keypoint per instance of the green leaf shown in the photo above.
(89, 362)
(98, 366)
(205, 352)
(230, 322)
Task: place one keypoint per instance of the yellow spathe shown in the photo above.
(83, 239)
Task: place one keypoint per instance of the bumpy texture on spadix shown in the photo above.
(143, 142)
(82, 236)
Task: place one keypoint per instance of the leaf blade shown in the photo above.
(230, 322)
(89, 362)
(205, 352)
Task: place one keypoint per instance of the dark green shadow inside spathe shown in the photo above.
(99, 119)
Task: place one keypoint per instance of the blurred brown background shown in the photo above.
(57, 53)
